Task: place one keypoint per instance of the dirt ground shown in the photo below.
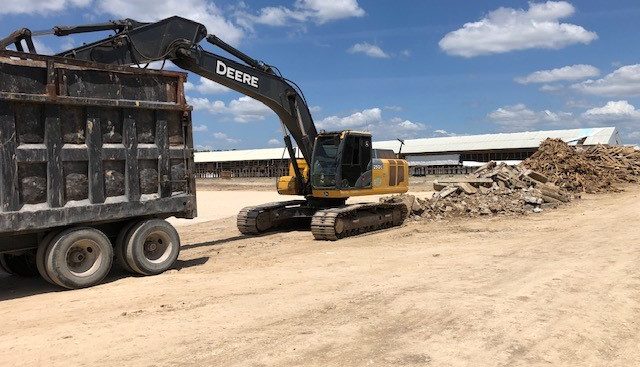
(558, 288)
(269, 183)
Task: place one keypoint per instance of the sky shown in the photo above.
(399, 69)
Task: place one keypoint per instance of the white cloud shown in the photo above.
(369, 50)
(315, 109)
(576, 103)
(224, 137)
(613, 111)
(441, 133)
(39, 6)
(519, 116)
(201, 11)
(551, 87)
(406, 125)
(373, 121)
(206, 86)
(275, 142)
(324, 11)
(42, 48)
(508, 29)
(621, 114)
(572, 72)
(68, 43)
(398, 128)
(317, 11)
(203, 104)
(200, 128)
(624, 81)
(244, 109)
(356, 120)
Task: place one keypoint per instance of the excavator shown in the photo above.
(334, 165)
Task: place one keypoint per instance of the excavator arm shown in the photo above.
(178, 40)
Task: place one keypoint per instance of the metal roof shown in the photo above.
(434, 160)
(529, 139)
(244, 155)
(480, 164)
(453, 144)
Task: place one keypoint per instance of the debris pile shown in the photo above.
(596, 169)
(555, 174)
(491, 189)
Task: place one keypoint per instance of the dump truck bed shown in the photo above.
(82, 142)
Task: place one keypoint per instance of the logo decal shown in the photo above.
(237, 75)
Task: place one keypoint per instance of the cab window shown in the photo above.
(324, 167)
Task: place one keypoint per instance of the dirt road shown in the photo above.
(560, 288)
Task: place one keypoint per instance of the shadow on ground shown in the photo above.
(14, 287)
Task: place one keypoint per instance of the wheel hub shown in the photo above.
(157, 246)
(78, 256)
(82, 257)
(151, 246)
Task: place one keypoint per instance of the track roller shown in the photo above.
(351, 220)
(262, 218)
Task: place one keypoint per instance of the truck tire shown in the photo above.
(121, 241)
(152, 247)
(23, 265)
(41, 253)
(79, 258)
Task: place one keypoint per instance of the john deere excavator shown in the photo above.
(334, 165)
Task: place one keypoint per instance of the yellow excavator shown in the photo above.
(334, 165)
(343, 164)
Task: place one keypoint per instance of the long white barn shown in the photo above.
(454, 154)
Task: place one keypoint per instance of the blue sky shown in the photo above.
(400, 68)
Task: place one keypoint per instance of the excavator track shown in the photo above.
(351, 220)
(261, 218)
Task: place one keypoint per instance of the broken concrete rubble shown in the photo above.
(555, 174)
(494, 189)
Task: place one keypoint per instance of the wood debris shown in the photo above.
(596, 169)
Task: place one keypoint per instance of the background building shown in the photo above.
(271, 162)
(445, 155)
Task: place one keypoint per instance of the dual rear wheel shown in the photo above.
(147, 248)
(82, 257)
(75, 258)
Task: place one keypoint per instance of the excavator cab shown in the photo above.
(341, 160)
(344, 164)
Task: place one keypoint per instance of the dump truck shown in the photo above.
(93, 159)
